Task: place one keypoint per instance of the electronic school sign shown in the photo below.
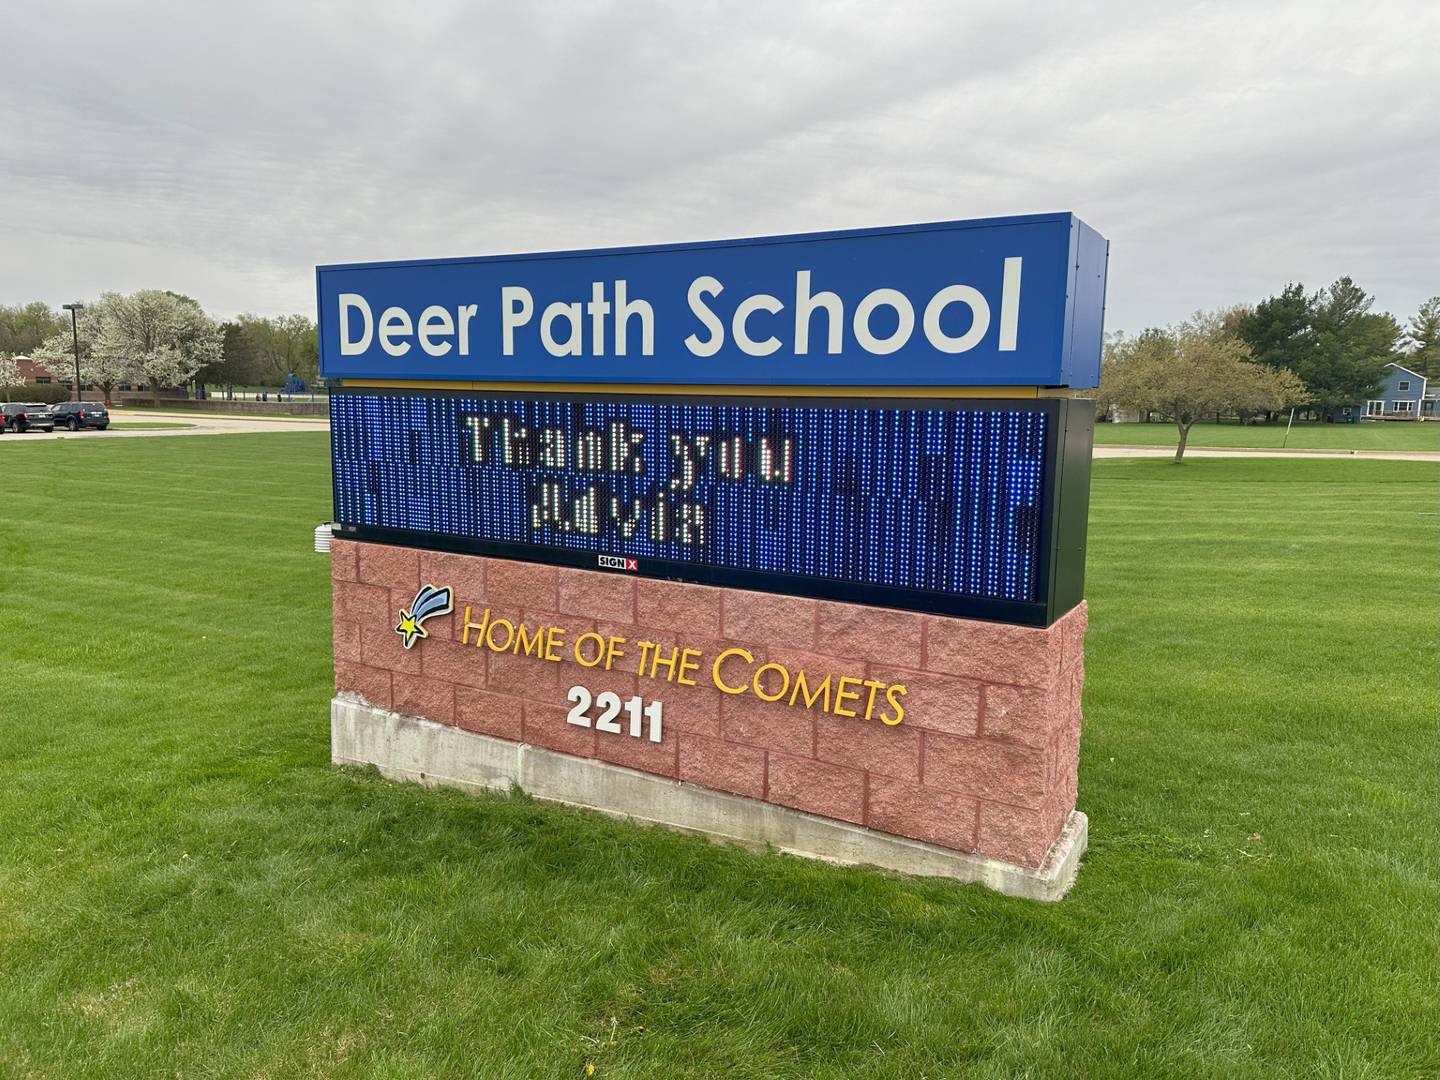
(942, 501)
(799, 521)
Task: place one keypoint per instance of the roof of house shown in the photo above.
(1402, 367)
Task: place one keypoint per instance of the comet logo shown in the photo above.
(618, 562)
(428, 603)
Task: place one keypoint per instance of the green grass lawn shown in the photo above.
(187, 888)
(1374, 435)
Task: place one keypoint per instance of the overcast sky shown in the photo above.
(224, 150)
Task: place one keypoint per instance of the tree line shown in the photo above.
(159, 338)
(1303, 350)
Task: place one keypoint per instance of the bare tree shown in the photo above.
(284, 345)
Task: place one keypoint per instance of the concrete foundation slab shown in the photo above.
(423, 751)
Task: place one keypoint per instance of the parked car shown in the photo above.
(81, 414)
(21, 416)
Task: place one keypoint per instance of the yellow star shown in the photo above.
(409, 628)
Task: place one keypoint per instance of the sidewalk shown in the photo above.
(163, 413)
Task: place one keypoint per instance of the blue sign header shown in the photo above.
(996, 302)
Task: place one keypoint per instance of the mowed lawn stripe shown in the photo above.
(187, 886)
(1305, 435)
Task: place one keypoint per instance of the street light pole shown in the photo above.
(75, 334)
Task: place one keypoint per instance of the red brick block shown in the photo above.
(1027, 715)
(869, 745)
(921, 813)
(692, 611)
(594, 595)
(380, 646)
(347, 640)
(516, 585)
(364, 604)
(1073, 625)
(620, 683)
(934, 702)
(1065, 758)
(642, 754)
(870, 633)
(815, 787)
(694, 710)
(1065, 777)
(464, 575)
(417, 696)
(476, 613)
(371, 684)
(628, 659)
(499, 715)
(769, 725)
(525, 676)
(723, 766)
(992, 652)
(452, 662)
(571, 627)
(764, 617)
(344, 560)
(665, 644)
(1017, 834)
(545, 725)
(390, 566)
(815, 666)
(986, 769)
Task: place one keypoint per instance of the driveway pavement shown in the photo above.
(201, 424)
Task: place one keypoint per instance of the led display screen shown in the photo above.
(940, 506)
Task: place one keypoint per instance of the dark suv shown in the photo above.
(81, 414)
(17, 416)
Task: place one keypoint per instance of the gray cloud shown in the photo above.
(225, 149)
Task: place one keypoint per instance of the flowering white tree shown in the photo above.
(9, 376)
(161, 338)
(57, 352)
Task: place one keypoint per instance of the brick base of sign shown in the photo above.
(983, 761)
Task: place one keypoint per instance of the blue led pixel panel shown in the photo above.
(911, 504)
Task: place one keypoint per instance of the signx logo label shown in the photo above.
(618, 562)
(428, 603)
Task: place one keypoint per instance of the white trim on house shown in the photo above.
(1402, 367)
(1403, 405)
(1371, 411)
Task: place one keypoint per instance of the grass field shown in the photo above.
(187, 888)
(1375, 435)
